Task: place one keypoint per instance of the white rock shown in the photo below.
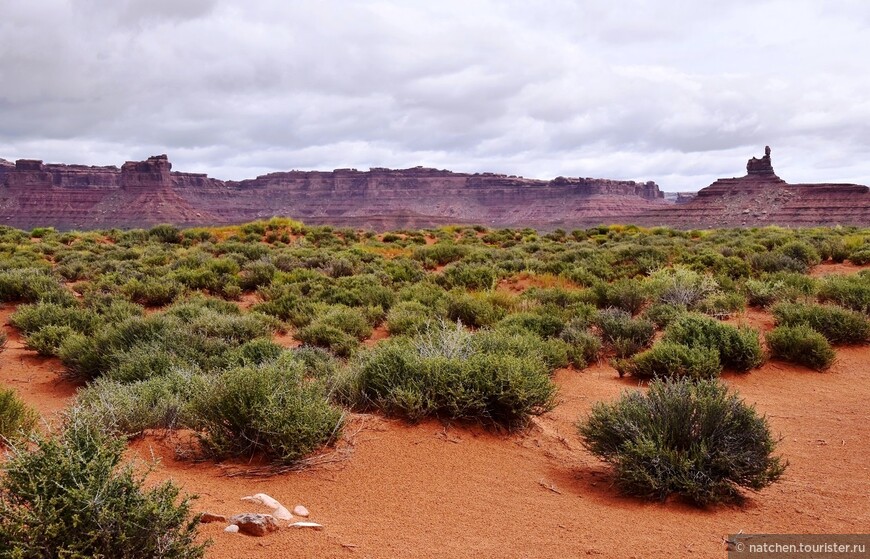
(232, 528)
(279, 511)
(312, 525)
(299, 510)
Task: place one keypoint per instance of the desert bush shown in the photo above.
(583, 345)
(681, 287)
(34, 317)
(256, 274)
(152, 292)
(763, 293)
(852, 292)
(449, 372)
(776, 262)
(838, 325)
(473, 310)
(270, 410)
(31, 285)
(328, 336)
(722, 305)
(684, 437)
(860, 257)
(802, 252)
(543, 323)
(624, 334)
(739, 348)
(626, 294)
(71, 496)
(662, 314)
(408, 317)
(440, 254)
(128, 408)
(16, 418)
(165, 233)
(47, 340)
(801, 344)
(669, 360)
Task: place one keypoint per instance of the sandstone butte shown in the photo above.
(145, 193)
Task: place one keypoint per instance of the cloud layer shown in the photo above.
(665, 90)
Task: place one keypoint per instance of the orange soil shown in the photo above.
(828, 268)
(431, 490)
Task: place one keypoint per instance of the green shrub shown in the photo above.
(860, 257)
(165, 233)
(722, 305)
(468, 276)
(321, 334)
(127, 409)
(763, 293)
(407, 317)
(662, 314)
(47, 340)
(270, 410)
(626, 294)
(801, 344)
(31, 285)
(16, 418)
(852, 292)
(583, 345)
(544, 324)
(34, 317)
(473, 310)
(838, 325)
(449, 372)
(685, 437)
(624, 334)
(669, 360)
(776, 262)
(739, 348)
(152, 292)
(801, 251)
(681, 287)
(70, 496)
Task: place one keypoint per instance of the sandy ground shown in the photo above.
(435, 490)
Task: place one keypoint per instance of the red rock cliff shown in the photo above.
(762, 198)
(143, 193)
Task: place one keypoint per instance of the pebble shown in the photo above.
(299, 510)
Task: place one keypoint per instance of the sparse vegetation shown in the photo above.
(801, 344)
(70, 495)
(684, 437)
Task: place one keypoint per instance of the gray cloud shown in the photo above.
(669, 91)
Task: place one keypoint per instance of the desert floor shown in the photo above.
(391, 489)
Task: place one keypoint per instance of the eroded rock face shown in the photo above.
(762, 198)
(145, 193)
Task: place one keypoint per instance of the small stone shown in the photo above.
(299, 510)
(255, 524)
(212, 517)
(278, 510)
(232, 529)
(311, 525)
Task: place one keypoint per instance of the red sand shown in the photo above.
(431, 490)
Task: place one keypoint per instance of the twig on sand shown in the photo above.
(549, 486)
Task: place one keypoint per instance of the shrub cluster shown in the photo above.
(739, 348)
(669, 360)
(838, 325)
(16, 418)
(448, 372)
(70, 496)
(801, 344)
(685, 437)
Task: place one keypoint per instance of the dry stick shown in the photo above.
(549, 486)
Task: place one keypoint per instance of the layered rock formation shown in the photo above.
(762, 198)
(144, 193)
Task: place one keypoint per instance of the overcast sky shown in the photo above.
(675, 91)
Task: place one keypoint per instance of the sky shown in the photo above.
(675, 91)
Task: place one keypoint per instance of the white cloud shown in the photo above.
(669, 91)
